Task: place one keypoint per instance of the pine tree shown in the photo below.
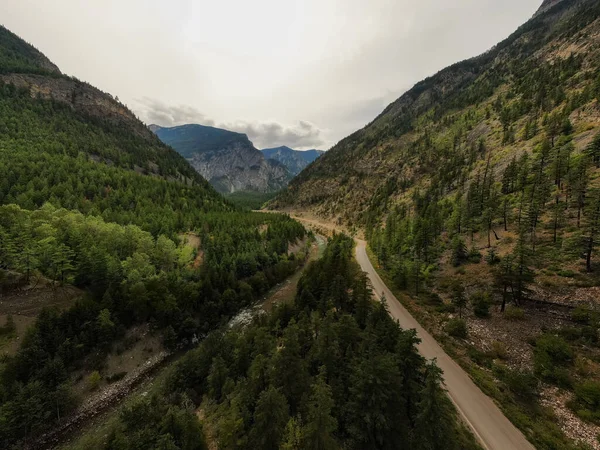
(458, 296)
(270, 419)
(320, 424)
(592, 227)
(433, 423)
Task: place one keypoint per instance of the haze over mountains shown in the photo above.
(230, 161)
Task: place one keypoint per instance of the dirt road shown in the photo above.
(493, 429)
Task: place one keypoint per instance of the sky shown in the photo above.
(301, 73)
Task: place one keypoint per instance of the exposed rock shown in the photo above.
(228, 160)
(294, 160)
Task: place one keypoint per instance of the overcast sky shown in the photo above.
(302, 73)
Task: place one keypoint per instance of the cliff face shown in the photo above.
(294, 160)
(228, 160)
(81, 96)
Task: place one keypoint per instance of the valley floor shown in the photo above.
(90, 426)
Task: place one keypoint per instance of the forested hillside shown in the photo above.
(479, 193)
(331, 371)
(93, 203)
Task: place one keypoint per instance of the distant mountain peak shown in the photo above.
(227, 159)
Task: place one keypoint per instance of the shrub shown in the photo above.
(93, 380)
(522, 383)
(499, 350)
(457, 328)
(514, 313)
(587, 400)
(474, 256)
(585, 334)
(492, 257)
(566, 273)
(552, 356)
(481, 304)
(581, 315)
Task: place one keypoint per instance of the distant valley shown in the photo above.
(229, 160)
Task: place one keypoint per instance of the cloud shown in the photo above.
(264, 134)
(154, 111)
(303, 135)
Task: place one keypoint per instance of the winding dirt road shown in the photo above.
(494, 430)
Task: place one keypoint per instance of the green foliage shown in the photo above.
(159, 424)
(514, 313)
(330, 371)
(522, 383)
(250, 200)
(457, 328)
(459, 251)
(129, 276)
(552, 357)
(587, 400)
(458, 296)
(481, 303)
(18, 56)
(93, 381)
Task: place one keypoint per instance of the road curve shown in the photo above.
(490, 426)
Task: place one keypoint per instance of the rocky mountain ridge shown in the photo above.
(228, 160)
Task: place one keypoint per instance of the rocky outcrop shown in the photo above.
(239, 168)
(228, 160)
(80, 96)
(294, 160)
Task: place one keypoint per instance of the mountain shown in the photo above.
(106, 232)
(549, 65)
(228, 160)
(66, 142)
(478, 192)
(294, 160)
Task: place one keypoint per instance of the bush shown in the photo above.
(492, 257)
(457, 328)
(552, 356)
(514, 313)
(481, 304)
(586, 334)
(522, 383)
(581, 315)
(474, 256)
(93, 380)
(499, 350)
(587, 400)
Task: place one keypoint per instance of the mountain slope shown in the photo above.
(294, 160)
(417, 134)
(64, 141)
(227, 159)
(479, 193)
